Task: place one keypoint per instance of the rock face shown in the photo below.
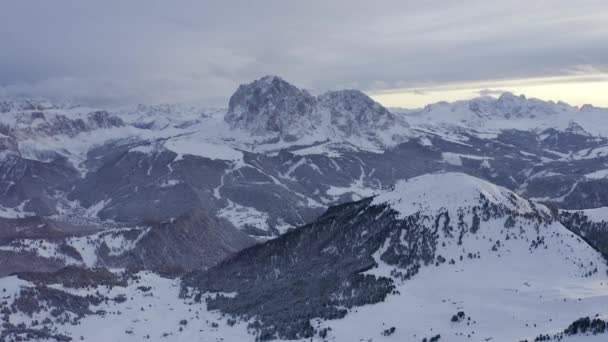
(52, 120)
(509, 106)
(30, 184)
(352, 112)
(24, 104)
(271, 105)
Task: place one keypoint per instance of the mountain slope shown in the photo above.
(195, 240)
(469, 241)
(440, 254)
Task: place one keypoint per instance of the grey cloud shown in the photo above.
(199, 51)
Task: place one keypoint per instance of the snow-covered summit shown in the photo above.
(448, 191)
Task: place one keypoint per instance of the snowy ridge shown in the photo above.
(448, 191)
(489, 115)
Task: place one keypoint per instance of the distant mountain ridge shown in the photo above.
(298, 152)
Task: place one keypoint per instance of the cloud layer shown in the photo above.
(116, 52)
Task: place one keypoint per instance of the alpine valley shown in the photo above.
(293, 216)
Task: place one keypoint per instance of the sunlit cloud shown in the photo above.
(576, 89)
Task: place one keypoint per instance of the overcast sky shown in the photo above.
(121, 52)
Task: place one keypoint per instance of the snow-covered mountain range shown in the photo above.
(278, 134)
(360, 216)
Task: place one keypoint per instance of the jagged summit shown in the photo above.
(23, 103)
(510, 106)
(272, 78)
(14, 104)
(507, 111)
(272, 105)
(575, 128)
(353, 112)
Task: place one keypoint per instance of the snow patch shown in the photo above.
(242, 216)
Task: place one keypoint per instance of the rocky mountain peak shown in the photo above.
(24, 104)
(353, 112)
(589, 108)
(575, 128)
(510, 106)
(272, 105)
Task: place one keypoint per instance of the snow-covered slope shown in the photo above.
(531, 277)
(403, 264)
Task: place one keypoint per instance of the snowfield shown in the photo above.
(521, 301)
(152, 314)
(512, 296)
